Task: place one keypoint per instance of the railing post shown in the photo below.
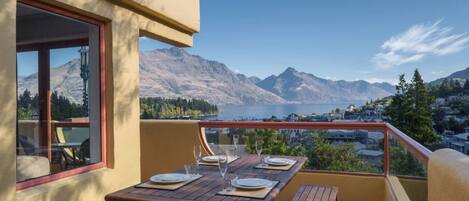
(386, 151)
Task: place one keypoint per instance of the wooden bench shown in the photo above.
(316, 193)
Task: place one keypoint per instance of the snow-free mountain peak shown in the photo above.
(173, 72)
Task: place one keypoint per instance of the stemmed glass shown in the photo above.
(223, 167)
(259, 143)
(235, 143)
(197, 157)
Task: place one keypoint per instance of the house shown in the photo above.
(459, 142)
(351, 108)
(104, 36)
(42, 159)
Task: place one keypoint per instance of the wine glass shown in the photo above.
(197, 157)
(235, 143)
(259, 143)
(223, 167)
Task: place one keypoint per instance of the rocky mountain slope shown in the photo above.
(65, 80)
(462, 75)
(175, 73)
(306, 88)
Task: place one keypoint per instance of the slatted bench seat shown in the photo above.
(316, 193)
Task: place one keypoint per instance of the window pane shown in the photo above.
(72, 109)
(59, 110)
(28, 112)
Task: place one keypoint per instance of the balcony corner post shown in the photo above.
(386, 151)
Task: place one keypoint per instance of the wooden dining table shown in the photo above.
(206, 187)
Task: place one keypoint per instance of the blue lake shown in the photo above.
(238, 112)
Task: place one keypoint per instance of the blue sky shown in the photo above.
(370, 40)
(28, 61)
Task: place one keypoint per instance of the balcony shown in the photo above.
(394, 167)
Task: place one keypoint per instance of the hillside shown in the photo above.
(306, 88)
(174, 73)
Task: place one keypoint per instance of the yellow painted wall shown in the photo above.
(167, 145)
(152, 28)
(182, 12)
(416, 189)
(351, 188)
(394, 190)
(448, 176)
(123, 29)
(7, 100)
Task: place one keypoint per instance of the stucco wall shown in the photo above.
(7, 100)
(184, 13)
(167, 145)
(448, 176)
(416, 189)
(123, 28)
(394, 190)
(149, 27)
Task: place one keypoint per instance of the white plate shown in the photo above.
(170, 178)
(210, 159)
(278, 161)
(251, 183)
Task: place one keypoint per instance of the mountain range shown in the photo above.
(301, 87)
(458, 75)
(65, 80)
(175, 73)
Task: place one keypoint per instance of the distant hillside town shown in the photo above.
(449, 114)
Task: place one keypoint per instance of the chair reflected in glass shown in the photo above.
(70, 153)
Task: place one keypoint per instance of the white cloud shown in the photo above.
(418, 42)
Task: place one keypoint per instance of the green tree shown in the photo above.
(25, 106)
(156, 108)
(420, 125)
(410, 110)
(275, 143)
(458, 88)
(403, 163)
(25, 113)
(400, 105)
(343, 157)
(439, 120)
(321, 154)
(62, 108)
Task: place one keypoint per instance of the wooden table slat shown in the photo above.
(316, 193)
(206, 187)
(313, 192)
(333, 195)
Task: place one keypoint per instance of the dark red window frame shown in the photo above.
(102, 59)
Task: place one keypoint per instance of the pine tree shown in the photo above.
(444, 89)
(400, 106)
(458, 88)
(410, 110)
(420, 126)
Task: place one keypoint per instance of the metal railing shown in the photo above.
(417, 150)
